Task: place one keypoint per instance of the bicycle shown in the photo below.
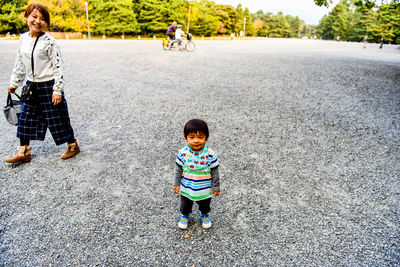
(173, 45)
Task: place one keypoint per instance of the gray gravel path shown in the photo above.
(307, 133)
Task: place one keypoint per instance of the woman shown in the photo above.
(51, 110)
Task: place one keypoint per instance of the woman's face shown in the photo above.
(36, 23)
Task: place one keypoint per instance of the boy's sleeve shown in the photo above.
(213, 159)
(178, 175)
(215, 179)
(179, 159)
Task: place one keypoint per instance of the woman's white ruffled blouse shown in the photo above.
(48, 63)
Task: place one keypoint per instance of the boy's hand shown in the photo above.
(216, 193)
(176, 189)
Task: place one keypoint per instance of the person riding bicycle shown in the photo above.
(179, 35)
(171, 30)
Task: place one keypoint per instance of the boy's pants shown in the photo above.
(187, 204)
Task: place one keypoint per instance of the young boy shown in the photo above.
(196, 173)
(179, 35)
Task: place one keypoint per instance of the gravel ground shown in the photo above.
(307, 133)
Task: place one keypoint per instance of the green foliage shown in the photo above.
(113, 17)
(361, 23)
(228, 18)
(336, 23)
(340, 15)
(70, 16)
(279, 25)
(152, 17)
(323, 2)
(11, 18)
(357, 19)
(388, 23)
(296, 25)
(204, 21)
(368, 3)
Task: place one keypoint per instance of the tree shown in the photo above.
(308, 30)
(352, 21)
(227, 17)
(296, 25)
(154, 16)
(205, 23)
(240, 22)
(361, 22)
(336, 23)
(388, 24)
(250, 29)
(340, 14)
(11, 15)
(368, 3)
(324, 29)
(68, 15)
(268, 23)
(114, 17)
(280, 26)
(258, 25)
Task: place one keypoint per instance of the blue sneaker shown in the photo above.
(183, 222)
(205, 221)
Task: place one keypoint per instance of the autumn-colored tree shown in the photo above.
(349, 19)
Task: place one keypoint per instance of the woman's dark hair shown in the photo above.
(194, 126)
(42, 9)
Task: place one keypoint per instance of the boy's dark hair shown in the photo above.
(194, 126)
(42, 9)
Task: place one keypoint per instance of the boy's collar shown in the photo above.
(196, 151)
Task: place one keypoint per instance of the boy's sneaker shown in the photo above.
(183, 222)
(205, 221)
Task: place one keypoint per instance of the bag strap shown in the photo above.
(33, 49)
(9, 99)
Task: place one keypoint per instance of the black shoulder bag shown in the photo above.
(27, 95)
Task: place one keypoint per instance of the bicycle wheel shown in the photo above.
(174, 45)
(190, 46)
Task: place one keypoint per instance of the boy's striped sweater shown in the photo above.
(196, 181)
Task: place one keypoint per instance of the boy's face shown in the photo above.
(196, 140)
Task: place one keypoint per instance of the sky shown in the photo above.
(306, 10)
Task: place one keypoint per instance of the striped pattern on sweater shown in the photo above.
(196, 182)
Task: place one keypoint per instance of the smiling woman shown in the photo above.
(38, 18)
(39, 61)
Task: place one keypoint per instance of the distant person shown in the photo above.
(381, 43)
(47, 80)
(171, 30)
(365, 41)
(196, 173)
(179, 35)
(233, 35)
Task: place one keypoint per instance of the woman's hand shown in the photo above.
(11, 90)
(56, 99)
